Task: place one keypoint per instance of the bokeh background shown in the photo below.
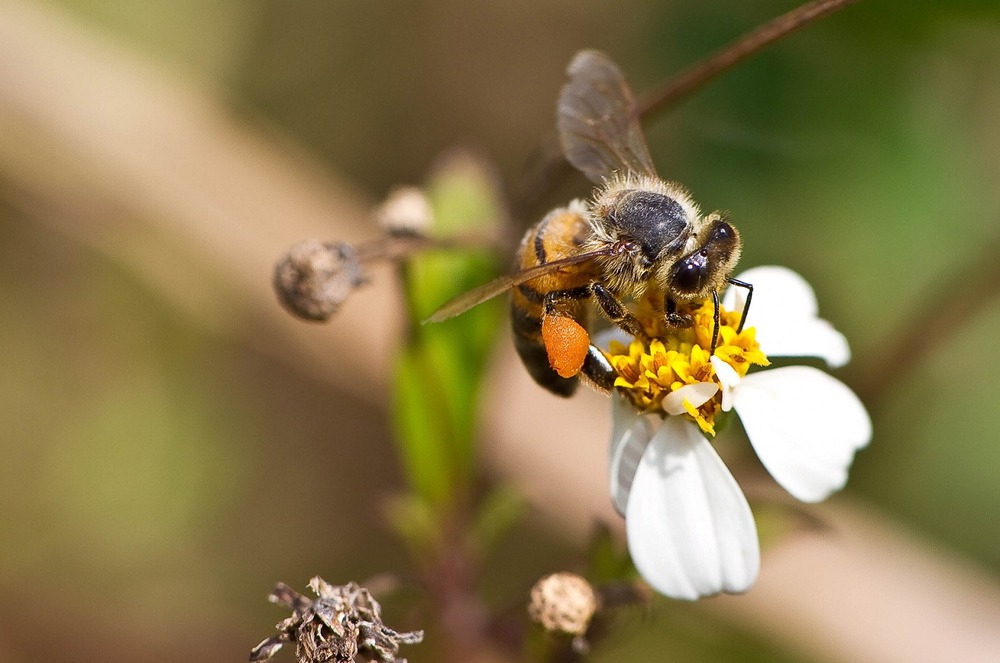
(173, 443)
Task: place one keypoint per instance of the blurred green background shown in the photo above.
(161, 471)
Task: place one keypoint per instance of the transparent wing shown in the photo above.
(467, 300)
(598, 120)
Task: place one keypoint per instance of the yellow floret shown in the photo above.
(649, 370)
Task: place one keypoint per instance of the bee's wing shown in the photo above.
(598, 120)
(467, 300)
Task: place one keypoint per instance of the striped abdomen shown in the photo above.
(558, 235)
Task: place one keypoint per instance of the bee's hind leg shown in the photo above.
(598, 370)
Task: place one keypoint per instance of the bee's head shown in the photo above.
(707, 268)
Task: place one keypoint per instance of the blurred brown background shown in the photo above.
(173, 443)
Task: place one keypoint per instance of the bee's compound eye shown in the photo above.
(722, 231)
(689, 275)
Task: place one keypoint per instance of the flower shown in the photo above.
(689, 528)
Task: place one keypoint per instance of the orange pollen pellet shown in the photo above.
(566, 343)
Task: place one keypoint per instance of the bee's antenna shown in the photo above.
(746, 304)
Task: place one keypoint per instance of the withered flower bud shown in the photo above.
(314, 278)
(343, 623)
(406, 211)
(563, 602)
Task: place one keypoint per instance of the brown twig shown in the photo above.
(547, 166)
(400, 247)
(689, 80)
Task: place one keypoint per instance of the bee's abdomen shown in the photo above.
(558, 235)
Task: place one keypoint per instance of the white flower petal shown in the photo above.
(813, 337)
(776, 292)
(805, 427)
(690, 530)
(603, 338)
(785, 314)
(696, 394)
(630, 433)
(729, 378)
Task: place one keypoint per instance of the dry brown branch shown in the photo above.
(689, 80)
(548, 165)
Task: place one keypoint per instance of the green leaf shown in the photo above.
(440, 370)
(422, 426)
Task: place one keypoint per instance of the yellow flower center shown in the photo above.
(649, 370)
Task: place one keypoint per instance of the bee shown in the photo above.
(638, 237)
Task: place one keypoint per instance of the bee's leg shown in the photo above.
(596, 367)
(746, 304)
(716, 322)
(564, 330)
(616, 311)
(674, 319)
(570, 303)
(598, 370)
(563, 302)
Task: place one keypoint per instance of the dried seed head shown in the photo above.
(563, 602)
(314, 278)
(343, 623)
(406, 211)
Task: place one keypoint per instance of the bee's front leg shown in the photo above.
(674, 319)
(616, 311)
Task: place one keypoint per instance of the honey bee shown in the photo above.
(638, 237)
